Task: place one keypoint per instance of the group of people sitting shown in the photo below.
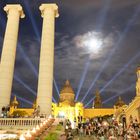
(102, 129)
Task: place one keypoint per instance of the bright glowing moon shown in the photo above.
(91, 42)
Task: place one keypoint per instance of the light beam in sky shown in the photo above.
(25, 85)
(117, 74)
(102, 15)
(22, 99)
(82, 79)
(32, 19)
(56, 87)
(120, 72)
(121, 93)
(53, 99)
(90, 101)
(97, 44)
(27, 59)
(117, 45)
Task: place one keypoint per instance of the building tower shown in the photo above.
(119, 102)
(14, 13)
(138, 82)
(14, 103)
(45, 79)
(97, 101)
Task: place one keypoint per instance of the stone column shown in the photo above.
(138, 82)
(45, 81)
(14, 12)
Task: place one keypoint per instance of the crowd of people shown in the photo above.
(104, 129)
(5, 111)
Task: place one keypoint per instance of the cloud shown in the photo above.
(94, 43)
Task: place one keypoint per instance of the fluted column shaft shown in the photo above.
(45, 81)
(14, 12)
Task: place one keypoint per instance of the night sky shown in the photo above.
(97, 46)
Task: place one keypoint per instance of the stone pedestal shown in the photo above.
(45, 81)
(14, 13)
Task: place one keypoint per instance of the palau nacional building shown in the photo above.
(66, 107)
(69, 109)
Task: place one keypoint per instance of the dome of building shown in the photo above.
(67, 88)
(67, 94)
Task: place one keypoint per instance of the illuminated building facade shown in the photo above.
(69, 109)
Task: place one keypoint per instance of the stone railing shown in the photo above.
(133, 105)
(19, 123)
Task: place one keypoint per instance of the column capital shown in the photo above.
(17, 7)
(51, 6)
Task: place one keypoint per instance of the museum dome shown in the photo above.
(67, 94)
(67, 88)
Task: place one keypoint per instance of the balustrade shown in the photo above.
(20, 122)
